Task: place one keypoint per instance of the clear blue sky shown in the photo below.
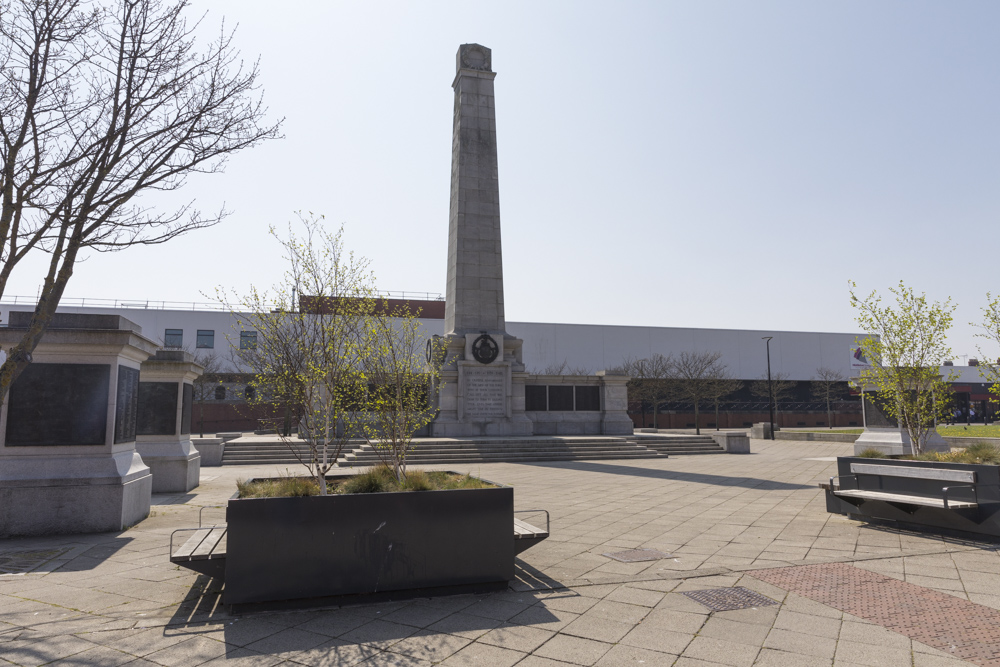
(697, 164)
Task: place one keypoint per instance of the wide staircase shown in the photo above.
(256, 450)
(671, 445)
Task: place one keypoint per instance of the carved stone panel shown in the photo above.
(875, 416)
(157, 408)
(59, 404)
(187, 401)
(126, 406)
(485, 391)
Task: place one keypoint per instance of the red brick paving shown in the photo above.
(964, 629)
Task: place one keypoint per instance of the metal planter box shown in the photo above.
(982, 519)
(327, 546)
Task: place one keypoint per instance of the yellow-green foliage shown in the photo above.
(379, 479)
(285, 487)
(981, 452)
(872, 453)
(970, 431)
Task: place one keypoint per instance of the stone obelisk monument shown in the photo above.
(482, 379)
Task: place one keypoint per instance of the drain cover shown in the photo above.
(638, 555)
(19, 562)
(727, 599)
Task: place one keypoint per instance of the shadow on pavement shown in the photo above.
(673, 475)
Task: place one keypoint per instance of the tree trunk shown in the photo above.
(697, 428)
(717, 416)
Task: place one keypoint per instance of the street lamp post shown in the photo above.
(770, 390)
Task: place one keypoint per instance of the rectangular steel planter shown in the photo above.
(326, 546)
(981, 520)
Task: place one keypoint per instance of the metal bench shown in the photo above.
(204, 549)
(962, 479)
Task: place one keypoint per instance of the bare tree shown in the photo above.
(782, 387)
(563, 369)
(101, 102)
(650, 380)
(697, 373)
(205, 384)
(828, 385)
(719, 388)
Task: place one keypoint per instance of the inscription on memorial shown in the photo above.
(58, 404)
(127, 404)
(485, 392)
(157, 409)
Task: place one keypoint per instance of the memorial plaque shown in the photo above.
(588, 399)
(157, 409)
(59, 404)
(127, 404)
(485, 391)
(187, 402)
(560, 398)
(536, 398)
(874, 415)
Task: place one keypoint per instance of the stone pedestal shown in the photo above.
(884, 433)
(163, 432)
(734, 442)
(761, 431)
(68, 462)
(211, 450)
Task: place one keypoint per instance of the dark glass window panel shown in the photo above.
(220, 393)
(588, 399)
(535, 398)
(206, 339)
(187, 400)
(560, 398)
(173, 338)
(59, 404)
(157, 408)
(126, 407)
(250, 393)
(248, 340)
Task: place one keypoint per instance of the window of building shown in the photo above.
(206, 338)
(560, 398)
(248, 340)
(535, 398)
(588, 398)
(173, 338)
(220, 393)
(250, 392)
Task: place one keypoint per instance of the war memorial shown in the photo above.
(685, 561)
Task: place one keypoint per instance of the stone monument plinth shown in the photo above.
(68, 462)
(884, 433)
(163, 430)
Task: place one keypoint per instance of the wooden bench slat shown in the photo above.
(968, 476)
(192, 543)
(209, 544)
(524, 530)
(902, 498)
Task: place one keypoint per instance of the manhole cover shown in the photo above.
(19, 562)
(727, 599)
(638, 555)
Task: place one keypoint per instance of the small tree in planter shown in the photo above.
(399, 376)
(906, 346)
(308, 360)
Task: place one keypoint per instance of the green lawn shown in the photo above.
(974, 431)
(959, 430)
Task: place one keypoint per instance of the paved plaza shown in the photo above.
(846, 593)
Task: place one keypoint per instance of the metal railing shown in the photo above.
(149, 304)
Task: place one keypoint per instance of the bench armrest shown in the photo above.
(946, 489)
(843, 477)
(536, 512)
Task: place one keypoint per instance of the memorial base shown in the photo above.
(104, 494)
(895, 441)
(175, 466)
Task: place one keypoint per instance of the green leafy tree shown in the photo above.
(906, 346)
(311, 359)
(990, 326)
